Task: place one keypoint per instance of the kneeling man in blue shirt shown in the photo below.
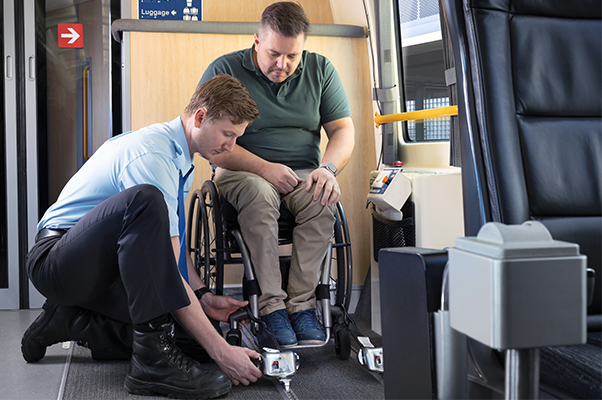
(106, 255)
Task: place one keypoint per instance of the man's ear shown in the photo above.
(199, 116)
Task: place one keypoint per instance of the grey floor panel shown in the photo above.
(21, 380)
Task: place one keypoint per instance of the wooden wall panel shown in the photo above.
(165, 69)
(318, 11)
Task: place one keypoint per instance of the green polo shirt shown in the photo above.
(290, 116)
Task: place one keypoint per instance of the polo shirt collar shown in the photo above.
(180, 138)
(248, 63)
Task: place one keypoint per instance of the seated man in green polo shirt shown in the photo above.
(278, 160)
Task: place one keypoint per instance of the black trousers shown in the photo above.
(117, 261)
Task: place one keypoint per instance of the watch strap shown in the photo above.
(201, 291)
(330, 167)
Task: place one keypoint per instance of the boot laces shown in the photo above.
(174, 354)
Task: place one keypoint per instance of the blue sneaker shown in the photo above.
(278, 323)
(307, 328)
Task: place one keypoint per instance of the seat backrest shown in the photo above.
(529, 81)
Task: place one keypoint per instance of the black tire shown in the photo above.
(342, 343)
(342, 259)
(208, 257)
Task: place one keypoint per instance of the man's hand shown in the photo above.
(220, 307)
(281, 176)
(326, 181)
(236, 362)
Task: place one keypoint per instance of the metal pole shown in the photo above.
(389, 93)
(522, 374)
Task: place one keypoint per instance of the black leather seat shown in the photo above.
(529, 85)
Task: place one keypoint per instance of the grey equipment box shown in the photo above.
(514, 287)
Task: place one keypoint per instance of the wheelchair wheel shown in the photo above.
(208, 244)
(342, 343)
(342, 259)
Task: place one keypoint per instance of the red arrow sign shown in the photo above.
(71, 36)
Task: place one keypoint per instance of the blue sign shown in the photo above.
(178, 10)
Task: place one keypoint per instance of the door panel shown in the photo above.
(9, 290)
(79, 88)
(52, 97)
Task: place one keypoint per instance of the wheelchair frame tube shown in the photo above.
(246, 260)
(326, 265)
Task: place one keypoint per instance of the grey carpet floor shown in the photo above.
(321, 375)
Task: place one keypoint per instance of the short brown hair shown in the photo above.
(222, 96)
(285, 18)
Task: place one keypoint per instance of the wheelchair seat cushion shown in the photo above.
(286, 222)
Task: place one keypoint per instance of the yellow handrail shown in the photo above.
(412, 115)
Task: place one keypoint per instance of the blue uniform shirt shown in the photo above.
(154, 155)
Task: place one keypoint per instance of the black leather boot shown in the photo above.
(55, 324)
(159, 366)
(191, 347)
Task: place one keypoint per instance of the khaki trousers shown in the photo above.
(258, 205)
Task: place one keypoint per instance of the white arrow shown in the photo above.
(73, 35)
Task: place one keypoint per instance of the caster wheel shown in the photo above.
(342, 343)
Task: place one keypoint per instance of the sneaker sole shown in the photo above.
(40, 323)
(310, 342)
(136, 386)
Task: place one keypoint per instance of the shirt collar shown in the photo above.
(180, 139)
(248, 63)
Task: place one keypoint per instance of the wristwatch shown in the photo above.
(201, 291)
(329, 166)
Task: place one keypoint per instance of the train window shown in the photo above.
(423, 67)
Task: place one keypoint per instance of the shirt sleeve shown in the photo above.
(334, 103)
(159, 171)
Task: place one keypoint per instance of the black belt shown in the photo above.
(48, 232)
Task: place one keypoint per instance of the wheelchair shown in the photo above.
(215, 240)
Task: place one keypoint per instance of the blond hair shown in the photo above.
(223, 96)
